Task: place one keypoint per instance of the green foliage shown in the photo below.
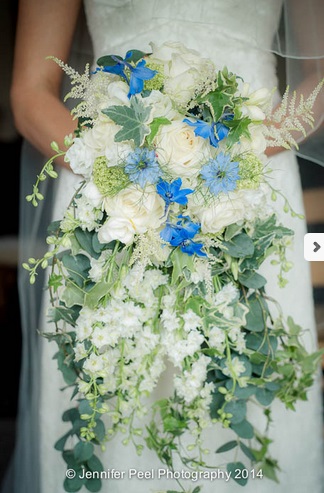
(133, 121)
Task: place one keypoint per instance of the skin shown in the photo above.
(44, 28)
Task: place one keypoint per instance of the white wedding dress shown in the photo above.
(226, 32)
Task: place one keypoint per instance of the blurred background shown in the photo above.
(312, 176)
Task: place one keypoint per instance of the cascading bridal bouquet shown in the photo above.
(155, 264)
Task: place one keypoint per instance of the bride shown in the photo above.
(243, 35)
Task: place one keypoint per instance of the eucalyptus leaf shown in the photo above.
(238, 410)
(93, 485)
(83, 451)
(264, 396)
(239, 246)
(235, 470)
(252, 279)
(227, 446)
(244, 429)
(73, 485)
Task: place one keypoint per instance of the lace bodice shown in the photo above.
(235, 33)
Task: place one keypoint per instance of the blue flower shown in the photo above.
(138, 74)
(137, 77)
(142, 167)
(220, 174)
(181, 235)
(170, 192)
(207, 130)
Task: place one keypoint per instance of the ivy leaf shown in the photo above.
(132, 119)
(238, 128)
(154, 126)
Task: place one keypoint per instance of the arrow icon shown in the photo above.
(317, 246)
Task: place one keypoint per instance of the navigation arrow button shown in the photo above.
(317, 246)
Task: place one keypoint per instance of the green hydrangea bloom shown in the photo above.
(109, 180)
(250, 171)
(158, 80)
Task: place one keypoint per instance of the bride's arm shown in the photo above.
(44, 28)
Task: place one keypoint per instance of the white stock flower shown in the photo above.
(235, 368)
(180, 150)
(217, 338)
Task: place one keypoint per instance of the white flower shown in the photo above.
(80, 157)
(227, 294)
(235, 368)
(255, 103)
(230, 208)
(184, 69)
(131, 212)
(161, 105)
(180, 150)
(217, 338)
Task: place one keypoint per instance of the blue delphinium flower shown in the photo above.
(181, 234)
(170, 192)
(220, 174)
(138, 74)
(142, 167)
(207, 130)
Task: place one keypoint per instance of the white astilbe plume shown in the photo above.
(291, 116)
(79, 82)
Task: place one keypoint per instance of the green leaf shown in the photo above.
(78, 267)
(94, 464)
(99, 290)
(226, 447)
(264, 396)
(84, 238)
(247, 451)
(244, 429)
(132, 120)
(235, 470)
(93, 485)
(83, 451)
(252, 279)
(72, 295)
(154, 127)
(239, 246)
(238, 409)
(135, 55)
(256, 317)
(238, 128)
(60, 444)
(108, 61)
(72, 485)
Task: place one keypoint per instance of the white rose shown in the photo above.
(230, 208)
(101, 138)
(184, 69)
(161, 105)
(178, 148)
(131, 212)
(81, 158)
